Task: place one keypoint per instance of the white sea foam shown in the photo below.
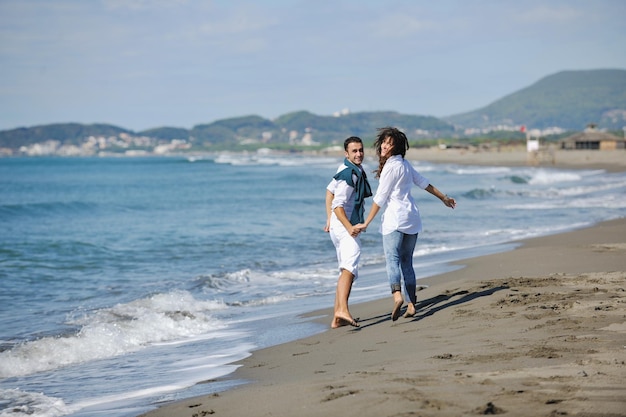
(277, 277)
(552, 177)
(423, 167)
(114, 331)
(187, 373)
(265, 158)
(595, 188)
(478, 170)
(18, 403)
(605, 202)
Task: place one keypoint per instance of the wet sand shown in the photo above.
(536, 331)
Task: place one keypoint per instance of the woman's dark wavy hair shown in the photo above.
(400, 145)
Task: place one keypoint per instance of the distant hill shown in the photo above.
(364, 124)
(568, 99)
(298, 128)
(320, 129)
(62, 132)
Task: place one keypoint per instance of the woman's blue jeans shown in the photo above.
(398, 248)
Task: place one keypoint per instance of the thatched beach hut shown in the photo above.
(591, 138)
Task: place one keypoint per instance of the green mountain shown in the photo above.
(293, 128)
(63, 132)
(232, 131)
(568, 99)
(334, 129)
(165, 133)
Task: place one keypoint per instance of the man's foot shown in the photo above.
(339, 321)
(395, 313)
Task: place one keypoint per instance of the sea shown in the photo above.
(127, 283)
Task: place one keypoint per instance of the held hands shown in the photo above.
(353, 230)
(357, 229)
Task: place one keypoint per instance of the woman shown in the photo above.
(401, 220)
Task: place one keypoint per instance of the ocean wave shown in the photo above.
(543, 177)
(200, 159)
(480, 193)
(605, 202)
(422, 166)
(478, 170)
(257, 287)
(518, 179)
(269, 300)
(258, 277)
(588, 189)
(18, 403)
(497, 236)
(245, 159)
(263, 158)
(115, 331)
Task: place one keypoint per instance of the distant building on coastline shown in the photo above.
(593, 139)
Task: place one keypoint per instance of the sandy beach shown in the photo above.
(536, 331)
(611, 161)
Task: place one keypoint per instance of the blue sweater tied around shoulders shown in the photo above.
(362, 189)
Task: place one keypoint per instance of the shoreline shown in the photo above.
(534, 331)
(611, 161)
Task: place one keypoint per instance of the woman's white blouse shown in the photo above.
(394, 195)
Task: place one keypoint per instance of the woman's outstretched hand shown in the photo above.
(449, 202)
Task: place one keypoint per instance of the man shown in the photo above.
(345, 196)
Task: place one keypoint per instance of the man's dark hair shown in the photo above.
(350, 140)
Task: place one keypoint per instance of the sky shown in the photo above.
(141, 64)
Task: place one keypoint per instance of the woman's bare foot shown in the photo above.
(410, 311)
(395, 313)
(398, 301)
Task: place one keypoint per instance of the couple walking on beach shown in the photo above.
(400, 224)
